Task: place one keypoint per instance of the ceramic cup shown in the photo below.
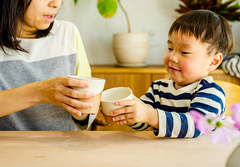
(109, 99)
(96, 86)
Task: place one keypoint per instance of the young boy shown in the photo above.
(197, 43)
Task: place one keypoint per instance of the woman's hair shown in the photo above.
(12, 12)
(208, 27)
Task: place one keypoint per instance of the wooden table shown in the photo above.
(105, 148)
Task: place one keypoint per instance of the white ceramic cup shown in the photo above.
(96, 85)
(111, 96)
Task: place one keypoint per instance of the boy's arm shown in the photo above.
(208, 99)
(144, 126)
(139, 126)
(231, 65)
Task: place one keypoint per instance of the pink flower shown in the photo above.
(224, 129)
(236, 114)
(204, 123)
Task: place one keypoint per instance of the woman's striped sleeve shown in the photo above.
(231, 65)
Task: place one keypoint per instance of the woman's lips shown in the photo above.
(48, 18)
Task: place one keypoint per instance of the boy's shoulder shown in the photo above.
(204, 83)
(209, 84)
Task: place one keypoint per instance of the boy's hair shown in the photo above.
(12, 11)
(208, 27)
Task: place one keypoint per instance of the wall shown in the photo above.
(144, 15)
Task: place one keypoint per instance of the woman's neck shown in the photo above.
(26, 32)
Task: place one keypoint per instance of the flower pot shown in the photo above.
(233, 160)
(131, 49)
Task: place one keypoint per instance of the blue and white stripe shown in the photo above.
(173, 106)
(231, 65)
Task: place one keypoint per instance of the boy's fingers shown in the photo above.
(125, 103)
(126, 121)
(122, 117)
(119, 111)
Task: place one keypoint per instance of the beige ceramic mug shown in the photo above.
(96, 85)
(109, 99)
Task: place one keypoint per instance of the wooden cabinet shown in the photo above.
(139, 80)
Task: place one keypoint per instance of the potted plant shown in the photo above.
(228, 9)
(130, 49)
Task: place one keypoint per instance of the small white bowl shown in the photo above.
(111, 96)
(96, 85)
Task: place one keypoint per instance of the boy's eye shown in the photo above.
(185, 52)
(170, 49)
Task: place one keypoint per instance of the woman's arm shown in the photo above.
(17, 99)
(55, 91)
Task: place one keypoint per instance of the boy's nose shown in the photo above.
(173, 57)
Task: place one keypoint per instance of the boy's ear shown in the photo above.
(215, 62)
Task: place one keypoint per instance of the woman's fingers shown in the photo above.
(75, 103)
(73, 82)
(76, 93)
(67, 83)
(71, 110)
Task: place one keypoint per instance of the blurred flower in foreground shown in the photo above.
(204, 123)
(223, 127)
(236, 114)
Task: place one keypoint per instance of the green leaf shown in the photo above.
(226, 8)
(107, 8)
(75, 1)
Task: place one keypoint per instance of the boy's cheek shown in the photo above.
(166, 62)
(187, 67)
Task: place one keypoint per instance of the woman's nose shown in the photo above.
(55, 3)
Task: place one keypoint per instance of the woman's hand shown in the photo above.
(135, 112)
(57, 91)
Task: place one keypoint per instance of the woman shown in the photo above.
(36, 56)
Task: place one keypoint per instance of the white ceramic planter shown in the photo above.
(233, 159)
(131, 49)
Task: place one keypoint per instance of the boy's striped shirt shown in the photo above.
(173, 106)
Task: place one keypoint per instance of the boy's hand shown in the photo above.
(135, 112)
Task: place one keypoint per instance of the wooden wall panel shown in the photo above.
(139, 83)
